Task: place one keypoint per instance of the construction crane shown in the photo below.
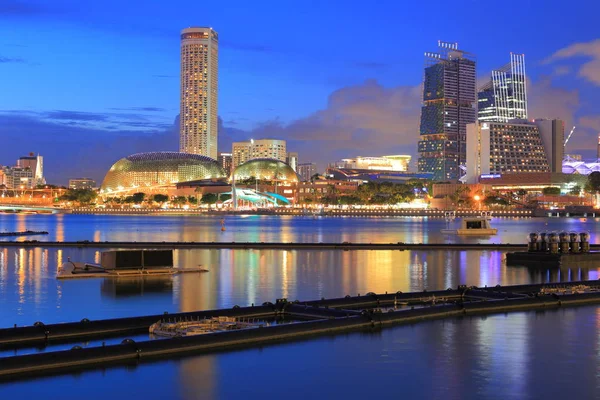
(569, 137)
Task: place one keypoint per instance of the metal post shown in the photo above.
(233, 192)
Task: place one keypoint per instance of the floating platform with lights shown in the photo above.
(294, 320)
(125, 263)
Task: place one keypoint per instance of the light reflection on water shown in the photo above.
(520, 356)
(277, 228)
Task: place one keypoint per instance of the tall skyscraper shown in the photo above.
(449, 104)
(199, 91)
(504, 96)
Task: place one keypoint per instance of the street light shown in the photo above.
(477, 198)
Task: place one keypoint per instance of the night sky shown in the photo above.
(86, 84)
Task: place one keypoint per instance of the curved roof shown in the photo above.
(162, 168)
(268, 169)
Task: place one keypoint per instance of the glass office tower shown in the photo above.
(449, 104)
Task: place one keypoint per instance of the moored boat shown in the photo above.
(473, 226)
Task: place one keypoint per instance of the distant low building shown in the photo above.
(314, 191)
(17, 178)
(292, 160)
(306, 171)
(398, 163)
(366, 175)
(226, 161)
(533, 182)
(36, 165)
(82, 183)
(258, 148)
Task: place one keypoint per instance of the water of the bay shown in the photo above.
(528, 355)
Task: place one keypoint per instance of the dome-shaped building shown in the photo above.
(265, 169)
(163, 168)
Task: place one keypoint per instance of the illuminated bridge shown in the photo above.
(21, 207)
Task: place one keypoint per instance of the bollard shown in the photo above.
(563, 238)
(532, 245)
(584, 242)
(553, 243)
(574, 242)
(543, 241)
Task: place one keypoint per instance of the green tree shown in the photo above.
(138, 197)
(593, 182)
(160, 198)
(81, 196)
(192, 200)
(180, 200)
(551, 191)
(349, 200)
(575, 190)
(495, 200)
(209, 198)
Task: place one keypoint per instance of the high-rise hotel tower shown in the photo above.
(199, 91)
(504, 96)
(449, 104)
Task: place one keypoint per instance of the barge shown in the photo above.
(119, 263)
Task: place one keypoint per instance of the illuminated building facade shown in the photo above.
(306, 171)
(504, 96)
(199, 91)
(240, 153)
(292, 160)
(500, 148)
(18, 178)
(82, 183)
(144, 171)
(36, 165)
(315, 191)
(225, 161)
(577, 166)
(259, 148)
(449, 104)
(266, 169)
(384, 163)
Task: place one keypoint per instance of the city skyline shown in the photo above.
(371, 105)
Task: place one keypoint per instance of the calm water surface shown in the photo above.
(278, 228)
(552, 354)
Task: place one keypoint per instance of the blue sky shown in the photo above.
(86, 84)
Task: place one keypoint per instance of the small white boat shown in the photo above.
(473, 226)
(202, 326)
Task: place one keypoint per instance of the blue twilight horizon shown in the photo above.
(86, 84)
